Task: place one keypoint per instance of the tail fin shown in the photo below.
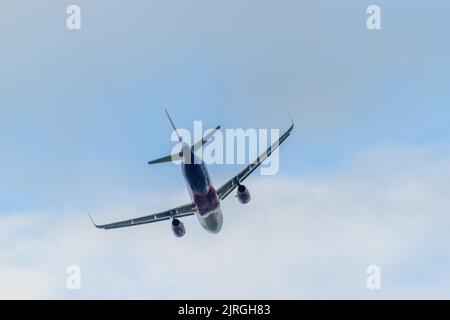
(173, 125)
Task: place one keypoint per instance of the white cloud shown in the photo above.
(296, 239)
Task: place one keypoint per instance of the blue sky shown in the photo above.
(82, 111)
(75, 101)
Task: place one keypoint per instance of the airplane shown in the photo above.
(205, 198)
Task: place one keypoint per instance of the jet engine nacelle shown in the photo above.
(178, 228)
(243, 194)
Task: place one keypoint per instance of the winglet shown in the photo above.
(290, 116)
(92, 220)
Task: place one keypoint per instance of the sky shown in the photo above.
(363, 178)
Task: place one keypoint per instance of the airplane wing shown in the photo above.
(178, 212)
(229, 186)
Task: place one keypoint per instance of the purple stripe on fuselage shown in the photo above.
(206, 203)
(200, 187)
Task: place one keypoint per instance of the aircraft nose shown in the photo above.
(213, 223)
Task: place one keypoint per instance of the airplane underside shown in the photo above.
(213, 222)
(205, 198)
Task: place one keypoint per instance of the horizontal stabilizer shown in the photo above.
(205, 139)
(173, 157)
(195, 147)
